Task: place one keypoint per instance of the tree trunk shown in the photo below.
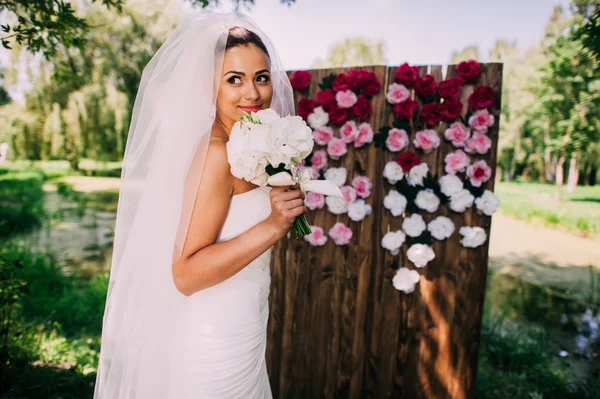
(549, 168)
(560, 176)
(573, 172)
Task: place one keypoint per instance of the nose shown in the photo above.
(251, 94)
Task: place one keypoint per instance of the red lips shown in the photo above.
(251, 109)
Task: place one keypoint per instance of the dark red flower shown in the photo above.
(326, 98)
(425, 85)
(354, 78)
(407, 160)
(406, 109)
(449, 88)
(306, 107)
(482, 97)
(369, 83)
(406, 74)
(341, 83)
(431, 114)
(469, 71)
(362, 109)
(451, 109)
(338, 115)
(300, 79)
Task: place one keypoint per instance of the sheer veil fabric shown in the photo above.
(173, 114)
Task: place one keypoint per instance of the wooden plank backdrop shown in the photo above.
(338, 328)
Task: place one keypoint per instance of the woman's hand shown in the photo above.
(285, 207)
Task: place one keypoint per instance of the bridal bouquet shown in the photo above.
(266, 149)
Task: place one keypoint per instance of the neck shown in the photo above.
(225, 124)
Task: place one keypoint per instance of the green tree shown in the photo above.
(354, 51)
(467, 53)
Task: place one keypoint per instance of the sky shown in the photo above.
(418, 32)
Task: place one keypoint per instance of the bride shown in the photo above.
(187, 305)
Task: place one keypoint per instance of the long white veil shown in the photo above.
(171, 122)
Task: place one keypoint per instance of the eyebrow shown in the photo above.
(243, 74)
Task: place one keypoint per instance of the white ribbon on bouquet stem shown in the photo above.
(325, 187)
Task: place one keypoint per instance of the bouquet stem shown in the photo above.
(301, 226)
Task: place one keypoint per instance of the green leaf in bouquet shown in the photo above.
(273, 171)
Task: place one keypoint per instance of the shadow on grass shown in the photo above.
(586, 199)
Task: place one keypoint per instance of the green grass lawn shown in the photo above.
(578, 212)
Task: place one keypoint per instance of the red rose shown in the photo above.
(369, 83)
(406, 74)
(406, 109)
(430, 113)
(482, 97)
(449, 88)
(408, 160)
(326, 98)
(362, 109)
(425, 85)
(468, 71)
(306, 107)
(354, 78)
(300, 79)
(338, 115)
(341, 82)
(451, 109)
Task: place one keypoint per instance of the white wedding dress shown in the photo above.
(223, 330)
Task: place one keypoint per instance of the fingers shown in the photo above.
(286, 195)
(294, 203)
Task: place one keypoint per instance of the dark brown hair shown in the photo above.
(239, 36)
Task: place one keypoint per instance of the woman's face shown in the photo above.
(245, 84)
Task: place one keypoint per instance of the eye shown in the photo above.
(232, 79)
(265, 78)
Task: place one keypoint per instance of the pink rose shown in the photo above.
(479, 172)
(397, 93)
(317, 238)
(314, 201)
(481, 120)
(340, 233)
(349, 193)
(322, 135)
(346, 98)
(319, 159)
(336, 148)
(348, 131)
(364, 136)
(479, 143)
(456, 161)
(313, 171)
(427, 140)
(457, 133)
(363, 186)
(397, 139)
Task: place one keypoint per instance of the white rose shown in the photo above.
(265, 115)
(417, 173)
(357, 210)
(414, 225)
(318, 118)
(462, 200)
(298, 143)
(393, 172)
(427, 200)
(420, 254)
(441, 227)
(405, 280)
(450, 184)
(336, 175)
(393, 240)
(395, 202)
(472, 236)
(336, 205)
(488, 203)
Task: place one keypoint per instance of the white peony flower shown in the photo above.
(450, 185)
(393, 240)
(393, 172)
(414, 225)
(462, 200)
(318, 118)
(395, 202)
(472, 236)
(417, 173)
(488, 203)
(427, 200)
(336, 175)
(420, 254)
(441, 227)
(405, 280)
(336, 205)
(357, 210)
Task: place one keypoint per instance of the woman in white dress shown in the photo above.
(187, 304)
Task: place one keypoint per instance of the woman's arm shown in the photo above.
(203, 262)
